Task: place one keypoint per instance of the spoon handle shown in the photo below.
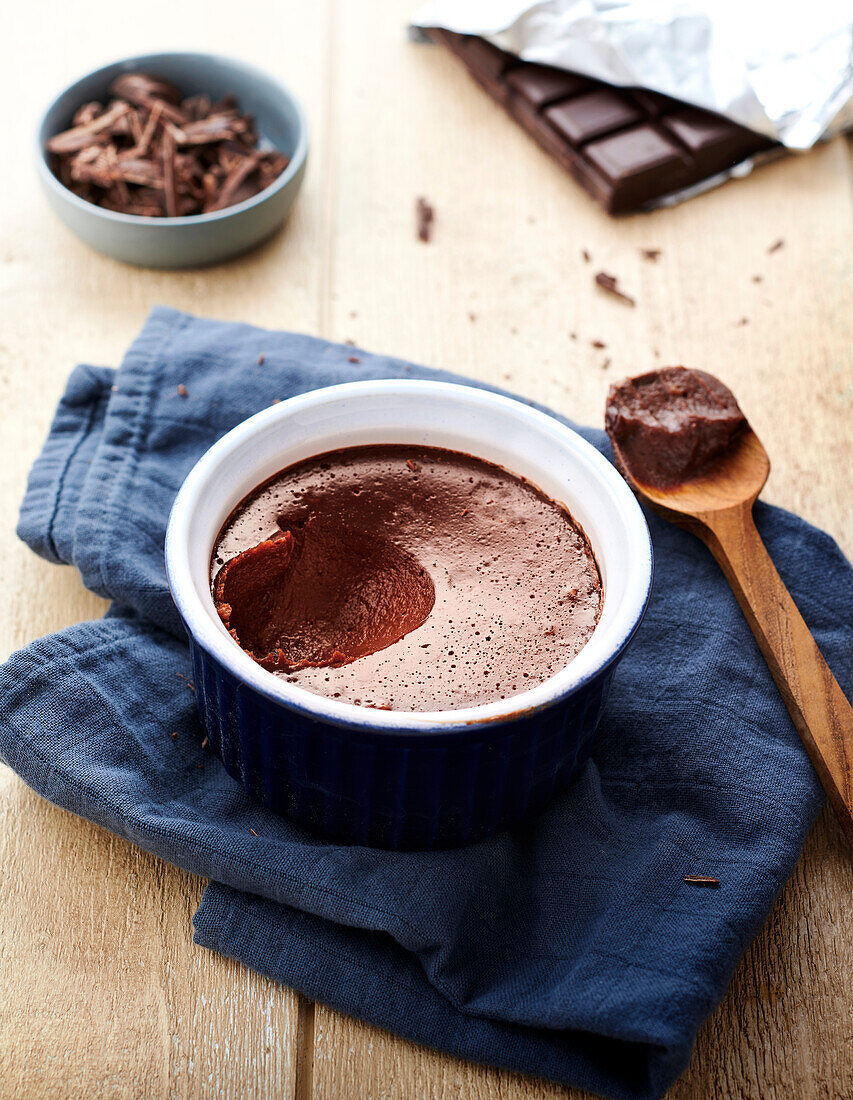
(821, 713)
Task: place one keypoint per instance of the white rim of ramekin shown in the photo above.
(295, 164)
(208, 632)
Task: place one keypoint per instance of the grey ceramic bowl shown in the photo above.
(202, 238)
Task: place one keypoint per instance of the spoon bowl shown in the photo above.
(734, 480)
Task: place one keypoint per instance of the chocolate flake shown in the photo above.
(702, 880)
(587, 258)
(353, 359)
(425, 218)
(776, 246)
(183, 392)
(611, 285)
(252, 831)
(261, 359)
(598, 343)
(650, 254)
(169, 189)
(152, 154)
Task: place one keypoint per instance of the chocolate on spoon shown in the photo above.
(317, 597)
(672, 423)
(685, 447)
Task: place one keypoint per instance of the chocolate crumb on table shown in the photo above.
(425, 218)
(151, 153)
(611, 285)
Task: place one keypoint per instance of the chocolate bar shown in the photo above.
(626, 146)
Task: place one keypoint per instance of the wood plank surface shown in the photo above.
(101, 990)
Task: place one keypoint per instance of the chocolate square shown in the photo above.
(541, 85)
(630, 161)
(589, 116)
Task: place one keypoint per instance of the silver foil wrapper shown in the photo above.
(781, 67)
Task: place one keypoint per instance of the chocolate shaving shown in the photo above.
(425, 217)
(610, 284)
(169, 190)
(230, 192)
(152, 154)
(702, 880)
(97, 130)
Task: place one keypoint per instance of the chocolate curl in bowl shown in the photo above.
(152, 154)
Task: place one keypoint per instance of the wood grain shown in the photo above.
(101, 990)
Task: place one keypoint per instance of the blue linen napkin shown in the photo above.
(572, 948)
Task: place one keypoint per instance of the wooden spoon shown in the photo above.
(717, 507)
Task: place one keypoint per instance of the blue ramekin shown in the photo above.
(394, 779)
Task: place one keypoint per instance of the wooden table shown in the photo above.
(102, 992)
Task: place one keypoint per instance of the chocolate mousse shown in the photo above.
(669, 425)
(406, 578)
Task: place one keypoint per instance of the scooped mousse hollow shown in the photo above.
(670, 424)
(405, 578)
